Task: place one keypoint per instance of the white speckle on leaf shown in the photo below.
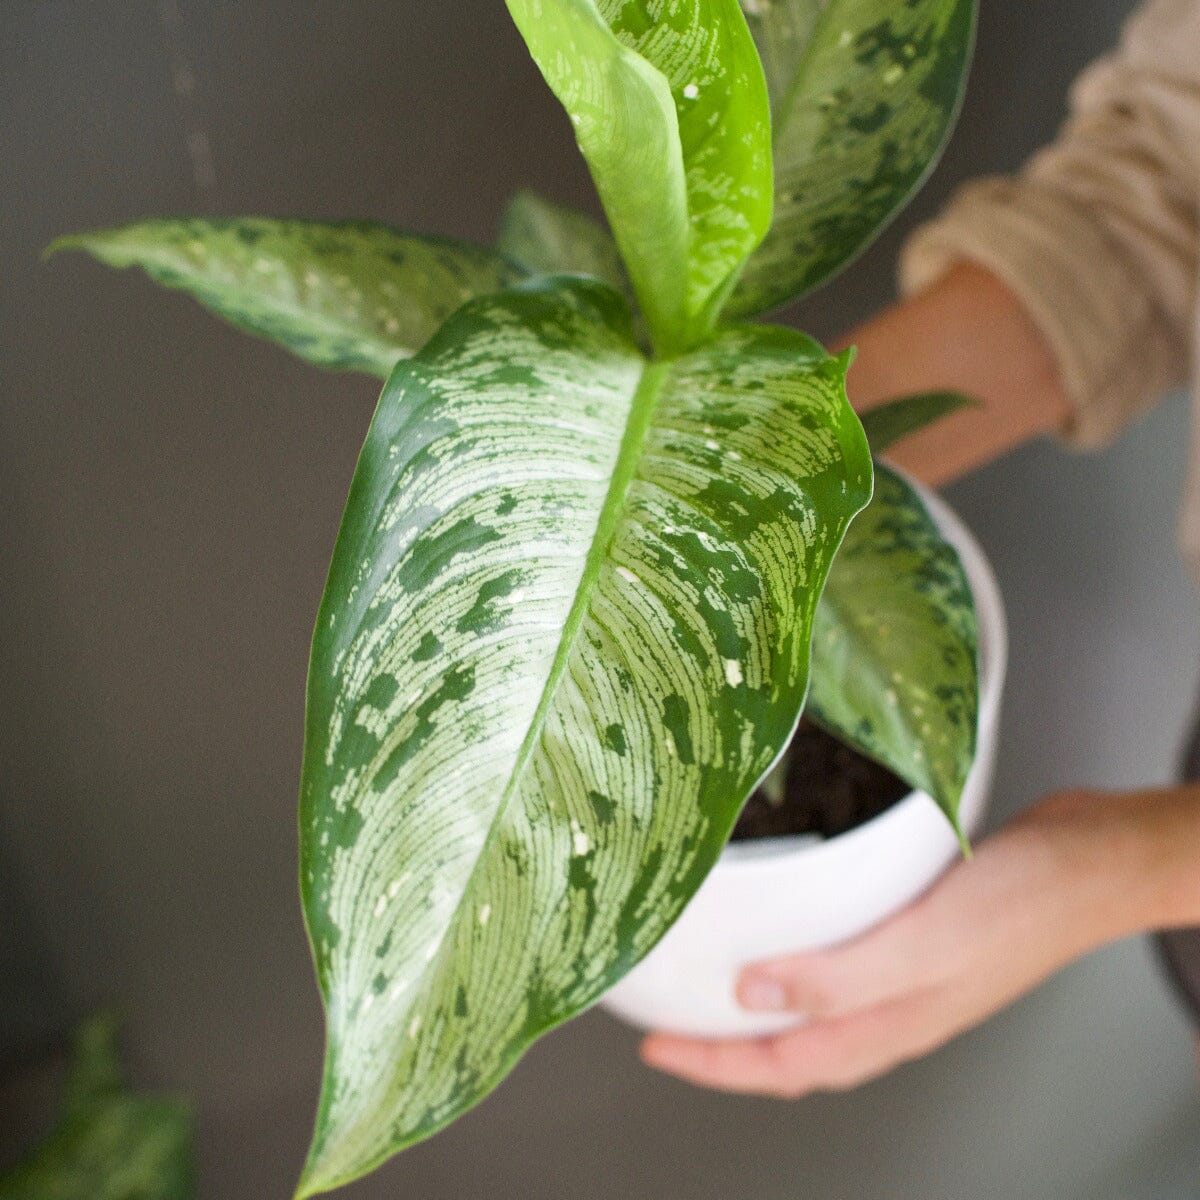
(580, 842)
(413, 1026)
(847, 36)
(380, 905)
(691, 91)
(892, 698)
(712, 445)
(485, 913)
(733, 672)
(627, 575)
(893, 74)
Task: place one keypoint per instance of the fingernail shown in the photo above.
(764, 994)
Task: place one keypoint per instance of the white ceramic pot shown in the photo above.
(777, 896)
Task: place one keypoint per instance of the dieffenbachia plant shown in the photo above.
(109, 1143)
(591, 537)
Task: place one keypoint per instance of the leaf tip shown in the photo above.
(313, 1180)
(964, 841)
(68, 241)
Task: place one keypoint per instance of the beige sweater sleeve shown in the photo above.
(1098, 235)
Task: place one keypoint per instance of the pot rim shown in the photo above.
(741, 857)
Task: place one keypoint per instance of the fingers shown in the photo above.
(891, 961)
(830, 1055)
(941, 936)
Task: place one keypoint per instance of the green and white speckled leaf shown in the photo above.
(566, 630)
(886, 424)
(548, 239)
(863, 96)
(894, 669)
(351, 295)
(109, 1144)
(670, 109)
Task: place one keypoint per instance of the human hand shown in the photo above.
(1074, 872)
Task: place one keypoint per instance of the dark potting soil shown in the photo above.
(828, 790)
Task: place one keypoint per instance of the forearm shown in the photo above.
(1124, 862)
(1071, 874)
(965, 333)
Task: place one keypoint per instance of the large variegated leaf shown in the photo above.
(109, 1143)
(894, 669)
(863, 95)
(566, 630)
(888, 423)
(671, 112)
(548, 239)
(351, 295)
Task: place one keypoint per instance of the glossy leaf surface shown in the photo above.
(352, 295)
(109, 1144)
(895, 670)
(547, 239)
(886, 424)
(670, 109)
(566, 630)
(863, 95)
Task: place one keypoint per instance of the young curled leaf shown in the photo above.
(670, 109)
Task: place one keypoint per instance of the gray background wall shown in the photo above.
(170, 492)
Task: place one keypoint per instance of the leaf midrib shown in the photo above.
(641, 415)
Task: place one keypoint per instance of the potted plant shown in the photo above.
(591, 537)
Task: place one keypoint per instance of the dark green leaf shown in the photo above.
(566, 631)
(109, 1144)
(863, 96)
(887, 423)
(352, 295)
(894, 669)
